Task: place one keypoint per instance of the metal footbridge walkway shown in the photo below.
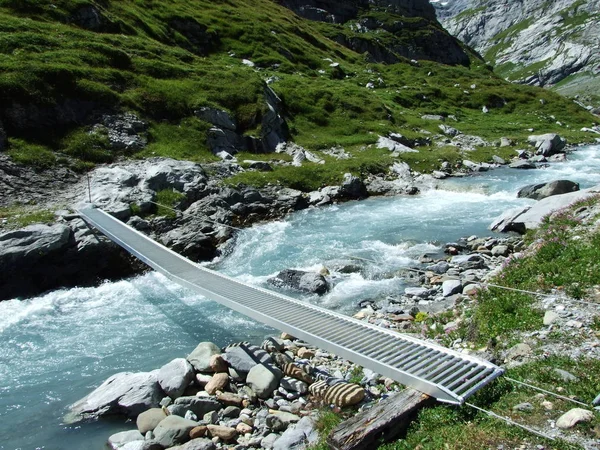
(449, 376)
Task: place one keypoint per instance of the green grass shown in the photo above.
(445, 427)
(37, 156)
(558, 258)
(185, 140)
(326, 422)
(19, 216)
(167, 200)
(164, 60)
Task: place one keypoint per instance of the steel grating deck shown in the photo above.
(448, 376)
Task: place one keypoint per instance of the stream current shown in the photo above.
(56, 348)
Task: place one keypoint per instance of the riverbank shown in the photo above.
(452, 301)
(193, 209)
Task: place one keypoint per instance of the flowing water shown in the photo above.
(54, 349)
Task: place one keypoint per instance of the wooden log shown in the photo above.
(386, 420)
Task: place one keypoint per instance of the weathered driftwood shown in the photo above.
(386, 420)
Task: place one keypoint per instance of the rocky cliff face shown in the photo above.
(385, 30)
(533, 41)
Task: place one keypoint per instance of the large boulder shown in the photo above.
(173, 430)
(175, 376)
(124, 393)
(148, 420)
(264, 380)
(28, 245)
(310, 282)
(528, 218)
(547, 144)
(543, 190)
(242, 358)
(201, 356)
(353, 187)
(115, 188)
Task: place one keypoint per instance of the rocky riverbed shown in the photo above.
(244, 396)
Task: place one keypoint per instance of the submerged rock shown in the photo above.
(310, 282)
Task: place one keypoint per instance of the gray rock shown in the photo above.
(223, 140)
(124, 393)
(264, 380)
(353, 187)
(142, 445)
(498, 160)
(465, 262)
(216, 117)
(125, 131)
(148, 420)
(451, 287)
(596, 401)
(532, 217)
(299, 436)
(173, 430)
(522, 164)
(543, 190)
(259, 165)
(573, 417)
(500, 250)
(211, 417)
(566, 376)
(203, 443)
(433, 117)
(547, 144)
(448, 130)
(524, 407)
(508, 221)
(243, 358)
(538, 41)
(118, 440)
(440, 267)
(198, 405)
(231, 412)
(175, 376)
(291, 384)
(268, 442)
(32, 243)
(200, 356)
(550, 317)
(476, 167)
(310, 282)
(197, 444)
(394, 145)
(518, 352)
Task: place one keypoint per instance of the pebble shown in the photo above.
(524, 407)
(550, 317)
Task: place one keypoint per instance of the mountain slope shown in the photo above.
(254, 71)
(535, 42)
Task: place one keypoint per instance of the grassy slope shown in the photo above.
(562, 256)
(139, 62)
